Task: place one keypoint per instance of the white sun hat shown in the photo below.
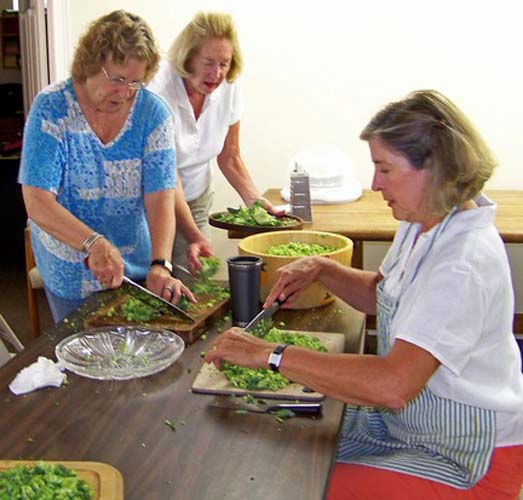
(331, 178)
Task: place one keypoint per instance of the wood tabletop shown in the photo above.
(370, 219)
(212, 453)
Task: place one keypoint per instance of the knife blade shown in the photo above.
(263, 314)
(250, 404)
(183, 274)
(171, 306)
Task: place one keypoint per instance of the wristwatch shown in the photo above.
(164, 263)
(275, 357)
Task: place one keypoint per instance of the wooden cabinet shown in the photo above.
(10, 41)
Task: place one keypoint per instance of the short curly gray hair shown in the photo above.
(432, 133)
(120, 36)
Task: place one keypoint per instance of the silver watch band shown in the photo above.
(275, 357)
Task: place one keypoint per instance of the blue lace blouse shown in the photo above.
(103, 185)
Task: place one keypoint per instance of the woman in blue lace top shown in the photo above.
(98, 170)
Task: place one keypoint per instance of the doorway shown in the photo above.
(12, 212)
(32, 32)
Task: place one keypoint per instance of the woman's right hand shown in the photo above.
(292, 279)
(105, 262)
(277, 212)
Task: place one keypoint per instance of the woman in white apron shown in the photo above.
(438, 413)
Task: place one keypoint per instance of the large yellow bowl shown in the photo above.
(314, 295)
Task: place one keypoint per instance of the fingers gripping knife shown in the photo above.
(263, 314)
(170, 305)
(143, 291)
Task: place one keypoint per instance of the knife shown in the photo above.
(135, 285)
(183, 274)
(250, 404)
(263, 314)
(171, 306)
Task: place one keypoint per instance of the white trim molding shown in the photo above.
(59, 39)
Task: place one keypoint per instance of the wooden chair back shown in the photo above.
(32, 301)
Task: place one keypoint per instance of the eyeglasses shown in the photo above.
(118, 81)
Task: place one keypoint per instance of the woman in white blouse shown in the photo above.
(200, 84)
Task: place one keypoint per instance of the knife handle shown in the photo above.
(300, 409)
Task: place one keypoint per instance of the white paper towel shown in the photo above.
(43, 373)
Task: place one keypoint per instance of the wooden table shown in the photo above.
(214, 453)
(370, 219)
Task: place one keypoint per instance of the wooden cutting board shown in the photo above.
(210, 380)
(106, 481)
(203, 316)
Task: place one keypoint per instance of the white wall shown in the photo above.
(316, 71)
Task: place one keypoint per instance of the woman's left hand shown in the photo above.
(160, 282)
(240, 348)
(196, 249)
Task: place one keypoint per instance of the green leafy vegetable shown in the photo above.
(123, 359)
(205, 285)
(262, 328)
(184, 303)
(143, 309)
(138, 311)
(262, 378)
(255, 215)
(251, 379)
(170, 424)
(298, 249)
(262, 217)
(284, 337)
(210, 266)
(249, 399)
(43, 482)
(283, 414)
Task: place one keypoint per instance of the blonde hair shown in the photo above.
(119, 36)
(203, 26)
(433, 133)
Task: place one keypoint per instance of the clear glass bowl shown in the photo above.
(119, 352)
